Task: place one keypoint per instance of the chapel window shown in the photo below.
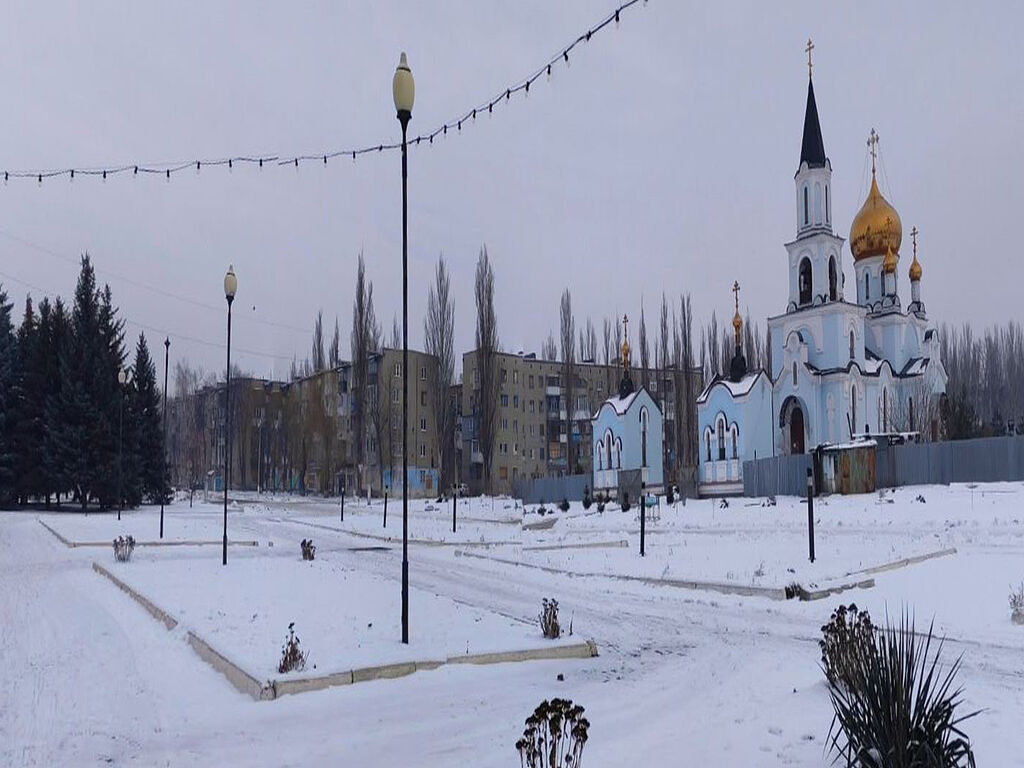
(721, 441)
(804, 281)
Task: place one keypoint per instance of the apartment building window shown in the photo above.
(398, 369)
(423, 425)
(515, 426)
(542, 453)
(423, 398)
(532, 409)
(504, 424)
(600, 387)
(531, 429)
(542, 430)
(531, 381)
(654, 385)
(515, 401)
(476, 377)
(423, 451)
(515, 377)
(395, 393)
(423, 373)
(504, 375)
(503, 473)
(515, 449)
(531, 454)
(504, 401)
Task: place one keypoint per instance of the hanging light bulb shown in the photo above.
(197, 167)
(549, 73)
(616, 19)
(565, 55)
(72, 174)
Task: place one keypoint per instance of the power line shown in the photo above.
(145, 286)
(504, 96)
(154, 329)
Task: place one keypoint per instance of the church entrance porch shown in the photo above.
(794, 429)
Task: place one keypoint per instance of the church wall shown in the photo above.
(626, 432)
(746, 421)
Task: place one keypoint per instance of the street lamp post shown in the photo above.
(403, 89)
(167, 357)
(122, 378)
(230, 286)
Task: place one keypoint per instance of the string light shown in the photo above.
(168, 169)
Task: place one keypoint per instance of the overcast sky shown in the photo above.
(662, 160)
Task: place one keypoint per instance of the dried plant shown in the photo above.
(1017, 604)
(308, 550)
(549, 619)
(845, 639)
(123, 548)
(554, 736)
(292, 659)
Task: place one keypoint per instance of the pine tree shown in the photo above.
(28, 409)
(112, 397)
(8, 372)
(146, 417)
(55, 334)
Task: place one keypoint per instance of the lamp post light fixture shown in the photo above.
(230, 286)
(167, 357)
(403, 88)
(122, 379)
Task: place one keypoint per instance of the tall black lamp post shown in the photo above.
(167, 357)
(230, 286)
(122, 379)
(404, 90)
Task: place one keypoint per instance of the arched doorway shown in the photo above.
(796, 430)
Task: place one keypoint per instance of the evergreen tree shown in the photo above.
(146, 417)
(55, 337)
(28, 410)
(112, 397)
(8, 370)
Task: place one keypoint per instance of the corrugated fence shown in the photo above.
(551, 490)
(984, 460)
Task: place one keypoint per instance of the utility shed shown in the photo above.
(848, 467)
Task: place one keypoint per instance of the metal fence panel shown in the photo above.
(551, 490)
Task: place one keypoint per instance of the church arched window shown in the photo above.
(807, 209)
(608, 447)
(643, 437)
(618, 452)
(794, 373)
(707, 443)
(910, 410)
(885, 410)
(867, 287)
(852, 355)
(733, 433)
(721, 439)
(600, 452)
(853, 404)
(828, 207)
(817, 203)
(832, 279)
(804, 280)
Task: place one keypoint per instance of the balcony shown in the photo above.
(552, 391)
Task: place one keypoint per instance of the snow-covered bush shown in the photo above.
(554, 737)
(587, 500)
(292, 659)
(542, 510)
(901, 709)
(308, 550)
(123, 548)
(1017, 604)
(549, 619)
(845, 639)
(564, 505)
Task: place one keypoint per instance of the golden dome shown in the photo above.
(736, 321)
(876, 228)
(625, 354)
(915, 269)
(889, 265)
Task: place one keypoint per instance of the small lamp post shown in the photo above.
(122, 379)
(403, 89)
(810, 513)
(230, 286)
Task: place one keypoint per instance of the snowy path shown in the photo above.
(684, 678)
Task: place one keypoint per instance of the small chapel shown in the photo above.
(843, 366)
(627, 434)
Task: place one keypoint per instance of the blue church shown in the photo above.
(841, 366)
(627, 433)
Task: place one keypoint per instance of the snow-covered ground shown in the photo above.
(685, 677)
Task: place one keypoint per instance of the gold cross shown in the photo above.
(873, 145)
(736, 293)
(913, 235)
(810, 47)
(625, 327)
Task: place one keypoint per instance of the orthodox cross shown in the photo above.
(736, 294)
(913, 236)
(810, 47)
(625, 327)
(873, 146)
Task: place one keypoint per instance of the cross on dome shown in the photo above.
(873, 146)
(809, 48)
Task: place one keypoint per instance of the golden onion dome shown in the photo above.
(876, 228)
(625, 354)
(915, 270)
(736, 321)
(889, 265)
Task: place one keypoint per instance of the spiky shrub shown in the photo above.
(901, 709)
(554, 736)
(564, 505)
(123, 548)
(587, 499)
(848, 635)
(549, 619)
(1017, 604)
(308, 550)
(292, 659)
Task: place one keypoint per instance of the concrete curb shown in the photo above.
(584, 650)
(151, 608)
(774, 593)
(896, 564)
(591, 545)
(186, 543)
(398, 539)
(819, 594)
(242, 681)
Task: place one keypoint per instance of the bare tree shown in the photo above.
(396, 333)
(487, 359)
(365, 340)
(191, 446)
(383, 426)
(549, 349)
(568, 328)
(318, 357)
(661, 372)
(439, 341)
(645, 352)
(334, 353)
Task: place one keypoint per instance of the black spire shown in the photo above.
(812, 150)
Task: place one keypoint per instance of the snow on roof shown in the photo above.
(620, 404)
(915, 366)
(736, 388)
(856, 443)
(873, 365)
